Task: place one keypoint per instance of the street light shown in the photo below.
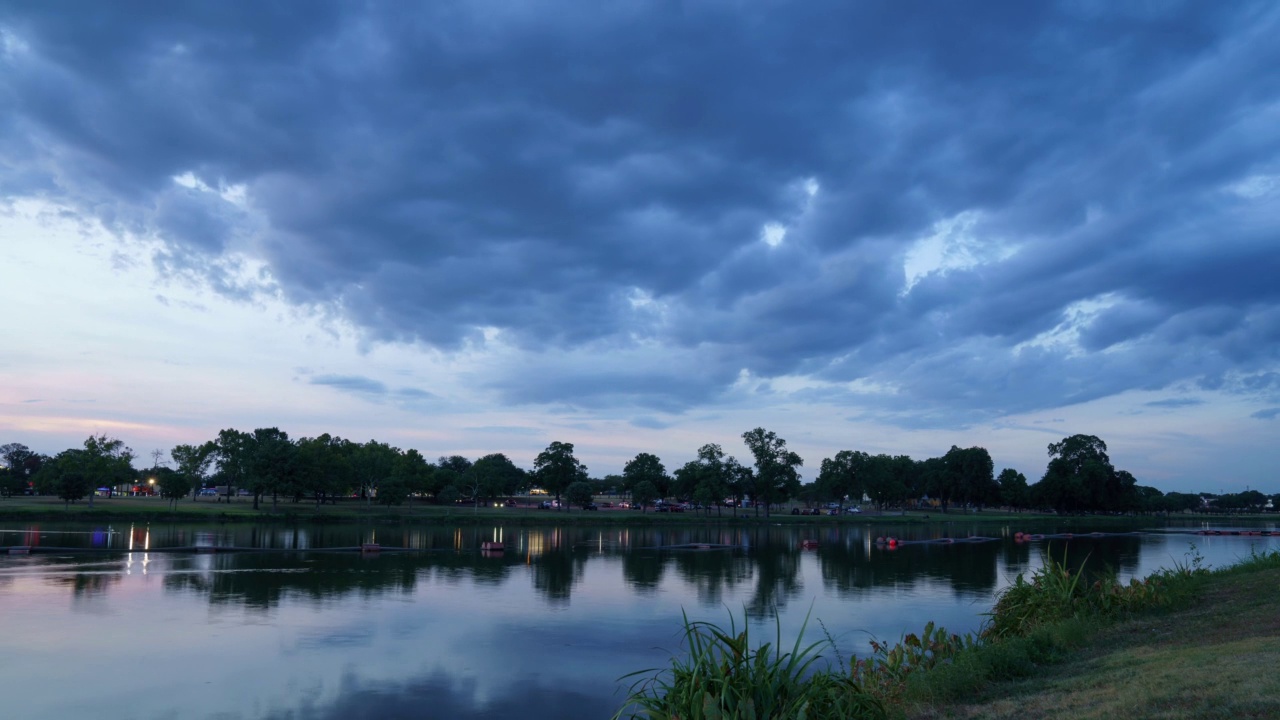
(152, 481)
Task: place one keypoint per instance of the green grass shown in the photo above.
(1208, 649)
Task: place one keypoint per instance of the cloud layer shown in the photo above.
(936, 219)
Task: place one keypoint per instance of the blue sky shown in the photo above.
(469, 227)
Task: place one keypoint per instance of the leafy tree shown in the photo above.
(1149, 499)
(411, 475)
(1013, 488)
(1180, 502)
(885, 479)
(970, 475)
(371, 464)
(579, 493)
(233, 451)
(556, 468)
(643, 494)
(456, 463)
(841, 477)
(106, 462)
(741, 479)
(706, 480)
(327, 467)
(443, 477)
(173, 484)
(1080, 477)
(272, 466)
(646, 466)
(193, 461)
(776, 477)
(448, 495)
(1250, 500)
(20, 467)
(65, 476)
(496, 476)
(393, 490)
(612, 484)
(11, 483)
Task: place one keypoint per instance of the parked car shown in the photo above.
(853, 510)
(590, 506)
(544, 505)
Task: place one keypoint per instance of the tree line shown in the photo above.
(270, 466)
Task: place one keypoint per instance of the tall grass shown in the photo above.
(1055, 592)
(722, 676)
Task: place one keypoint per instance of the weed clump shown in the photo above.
(722, 677)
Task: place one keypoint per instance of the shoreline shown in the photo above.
(141, 509)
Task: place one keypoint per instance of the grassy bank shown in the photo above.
(1211, 653)
(1182, 643)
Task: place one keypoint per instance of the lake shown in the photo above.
(116, 627)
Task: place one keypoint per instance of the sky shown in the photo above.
(642, 226)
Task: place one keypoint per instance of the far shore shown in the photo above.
(526, 512)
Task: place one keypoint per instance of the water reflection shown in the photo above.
(711, 563)
(541, 630)
(441, 694)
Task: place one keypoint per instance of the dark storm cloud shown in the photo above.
(1100, 184)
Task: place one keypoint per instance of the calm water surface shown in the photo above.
(123, 629)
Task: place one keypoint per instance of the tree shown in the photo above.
(841, 476)
(172, 483)
(1080, 477)
(579, 493)
(11, 483)
(20, 467)
(233, 450)
(706, 480)
(971, 475)
(65, 476)
(1180, 502)
(1013, 488)
(371, 464)
(496, 476)
(106, 462)
(448, 495)
(322, 468)
(456, 463)
(740, 481)
(776, 477)
(193, 461)
(643, 494)
(556, 468)
(884, 481)
(272, 466)
(411, 475)
(646, 466)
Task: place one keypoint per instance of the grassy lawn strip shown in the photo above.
(1213, 655)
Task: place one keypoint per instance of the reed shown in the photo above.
(722, 676)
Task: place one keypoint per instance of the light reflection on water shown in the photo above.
(543, 630)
